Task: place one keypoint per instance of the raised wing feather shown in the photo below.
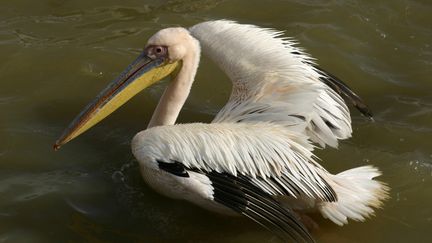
(273, 81)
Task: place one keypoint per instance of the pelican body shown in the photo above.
(256, 157)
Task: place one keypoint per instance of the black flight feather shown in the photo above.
(173, 167)
(242, 196)
(342, 89)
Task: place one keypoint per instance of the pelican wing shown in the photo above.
(277, 160)
(275, 81)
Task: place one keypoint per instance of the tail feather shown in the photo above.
(358, 195)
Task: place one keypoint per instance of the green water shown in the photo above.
(56, 55)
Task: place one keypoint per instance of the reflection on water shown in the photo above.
(56, 55)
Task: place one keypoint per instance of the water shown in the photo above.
(56, 55)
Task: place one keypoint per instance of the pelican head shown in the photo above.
(163, 55)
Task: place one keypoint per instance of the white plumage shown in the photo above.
(255, 158)
(247, 149)
(278, 106)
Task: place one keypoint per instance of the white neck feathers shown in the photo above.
(178, 90)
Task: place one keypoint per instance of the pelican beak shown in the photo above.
(142, 73)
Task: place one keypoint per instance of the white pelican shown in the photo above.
(255, 158)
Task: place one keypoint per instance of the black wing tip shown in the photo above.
(345, 91)
(242, 196)
(366, 112)
(363, 108)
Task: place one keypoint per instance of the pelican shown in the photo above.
(256, 157)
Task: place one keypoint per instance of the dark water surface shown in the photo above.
(56, 55)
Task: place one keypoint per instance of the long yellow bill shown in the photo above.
(142, 73)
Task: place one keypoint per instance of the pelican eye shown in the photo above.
(155, 51)
(158, 49)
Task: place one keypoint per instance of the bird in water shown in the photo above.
(256, 157)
